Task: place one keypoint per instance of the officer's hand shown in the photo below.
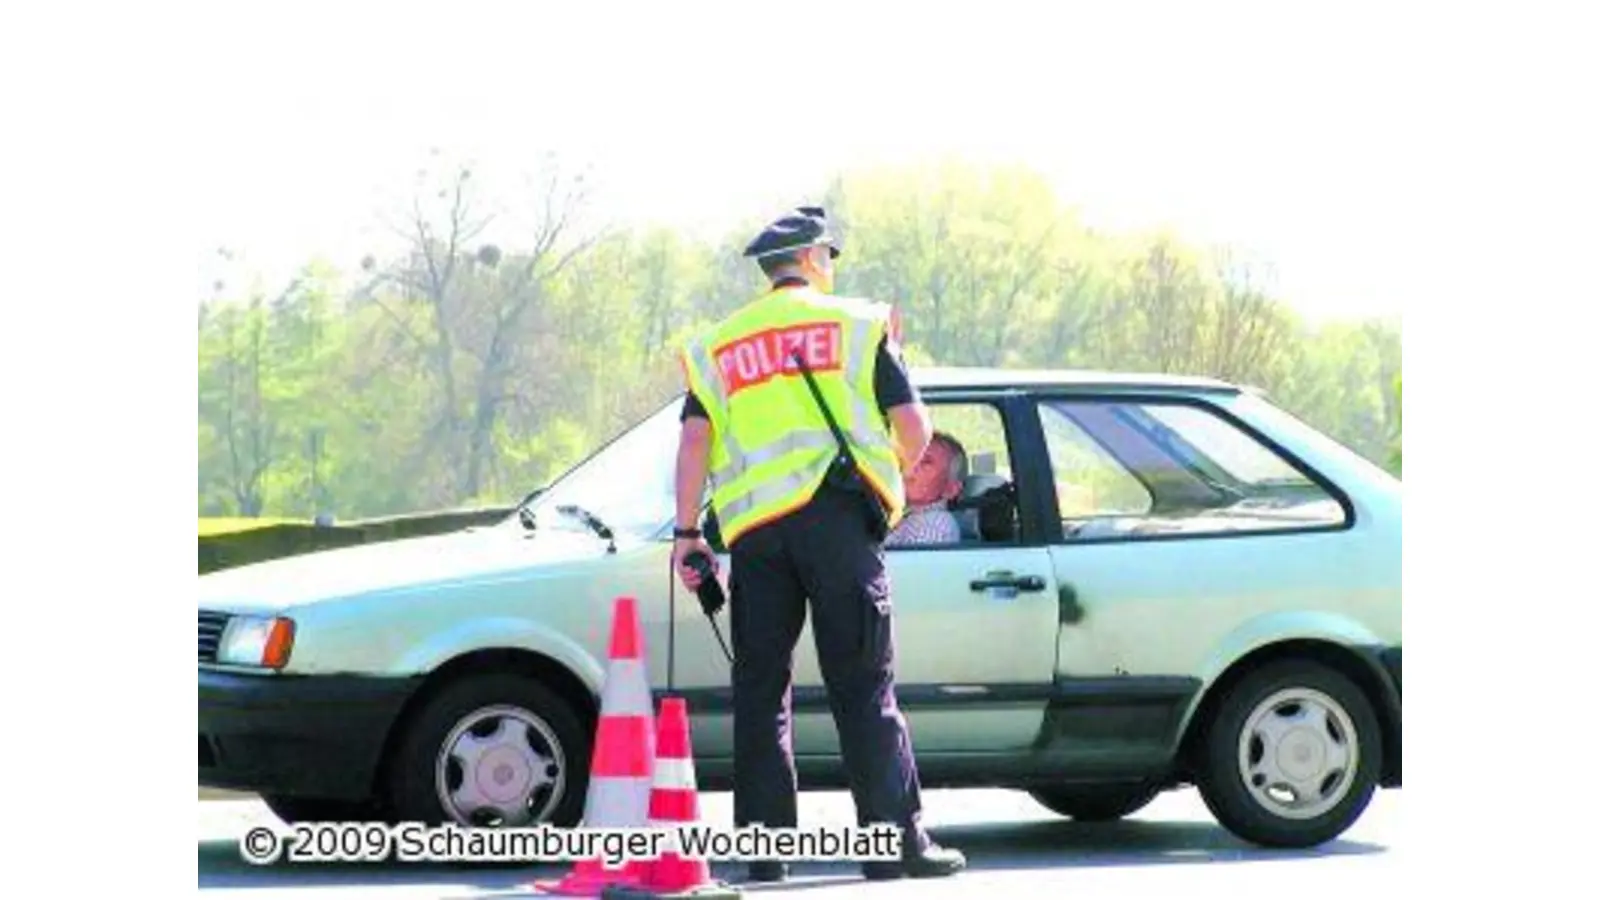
(682, 548)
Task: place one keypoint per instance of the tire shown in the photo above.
(293, 810)
(1235, 772)
(543, 774)
(1093, 803)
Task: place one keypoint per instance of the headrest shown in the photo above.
(974, 487)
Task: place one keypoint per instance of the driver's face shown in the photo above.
(929, 480)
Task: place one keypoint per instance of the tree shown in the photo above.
(1394, 454)
(483, 307)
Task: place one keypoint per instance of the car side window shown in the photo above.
(1089, 481)
(960, 494)
(1126, 470)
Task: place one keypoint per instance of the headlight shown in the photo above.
(256, 641)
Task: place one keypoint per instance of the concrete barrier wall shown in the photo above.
(238, 548)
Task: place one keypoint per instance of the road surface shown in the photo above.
(1015, 848)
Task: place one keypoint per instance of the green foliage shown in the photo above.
(462, 371)
(218, 526)
(1394, 454)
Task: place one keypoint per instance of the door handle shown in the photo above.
(1007, 580)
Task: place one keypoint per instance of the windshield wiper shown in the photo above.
(593, 521)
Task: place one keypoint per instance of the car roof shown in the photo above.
(955, 378)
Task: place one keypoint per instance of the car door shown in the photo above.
(975, 623)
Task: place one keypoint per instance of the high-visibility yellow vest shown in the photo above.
(771, 446)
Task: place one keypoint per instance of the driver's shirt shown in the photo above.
(930, 524)
(891, 384)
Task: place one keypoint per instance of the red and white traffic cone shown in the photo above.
(674, 803)
(623, 759)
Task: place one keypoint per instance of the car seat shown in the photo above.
(987, 509)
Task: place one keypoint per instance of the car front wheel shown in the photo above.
(1292, 756)
(492, 751)
(293, 810)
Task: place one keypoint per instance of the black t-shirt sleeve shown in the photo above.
(692, 408)
(891, 382)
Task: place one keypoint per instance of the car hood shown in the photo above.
(455, 559)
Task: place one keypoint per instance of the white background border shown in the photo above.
(116, 114)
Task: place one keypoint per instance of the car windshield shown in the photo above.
(628, 484)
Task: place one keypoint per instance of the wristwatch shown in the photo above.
(685, 532)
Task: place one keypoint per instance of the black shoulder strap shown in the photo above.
(816, 394)
(844, 470)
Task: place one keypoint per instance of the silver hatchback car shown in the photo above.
(1160, 582)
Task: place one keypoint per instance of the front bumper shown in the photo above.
(1391, 663)
(1387, 660)
(309, 736)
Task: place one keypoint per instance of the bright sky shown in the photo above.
(1279, 135)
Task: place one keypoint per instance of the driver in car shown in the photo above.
(932, 483)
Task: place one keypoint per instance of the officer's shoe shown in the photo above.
(933, 862)
(767, 871)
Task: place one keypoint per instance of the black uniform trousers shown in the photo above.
(825, 552)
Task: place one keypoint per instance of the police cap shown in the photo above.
(806, 226)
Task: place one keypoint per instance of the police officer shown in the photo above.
(803, 520)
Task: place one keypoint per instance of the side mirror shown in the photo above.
(522, 507)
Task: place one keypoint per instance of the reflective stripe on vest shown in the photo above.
(770, 460)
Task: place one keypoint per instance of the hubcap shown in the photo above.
(500, 766)
(1298, 753)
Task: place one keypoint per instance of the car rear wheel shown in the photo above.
(492, 751)
(1095, 803)
(1292, 756)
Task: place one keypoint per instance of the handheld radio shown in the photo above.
(711, 598)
